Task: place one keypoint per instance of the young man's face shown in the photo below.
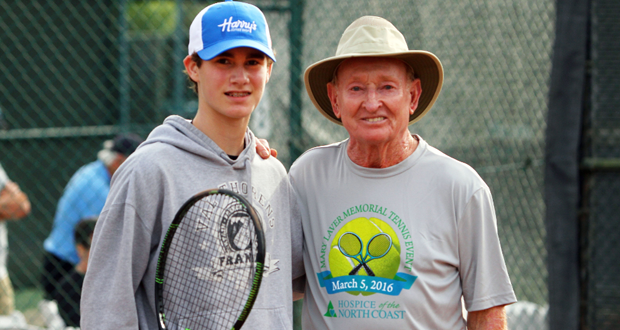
(231, 84)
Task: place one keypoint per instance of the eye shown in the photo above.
(356, 88)
(388, 87)
(253, 62)
(222, 60)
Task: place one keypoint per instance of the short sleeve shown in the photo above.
(482, 267)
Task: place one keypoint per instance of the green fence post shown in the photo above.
(296, 27)
(178, 99)
(123, 68)
(296, 72)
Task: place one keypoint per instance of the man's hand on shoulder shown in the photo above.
(263, 150)
(493, 318)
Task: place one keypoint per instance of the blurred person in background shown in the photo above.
(14, 204)
(83, 197)
(70, 288)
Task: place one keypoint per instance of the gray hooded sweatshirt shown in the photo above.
(175, 162)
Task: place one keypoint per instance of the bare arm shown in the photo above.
(493, 318)
(14, 204)
(297, 296)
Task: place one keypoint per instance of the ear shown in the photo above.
(269, 67)
(116, 162)
(81, 250)
(332, 93)
(191, 68)
(415, 90)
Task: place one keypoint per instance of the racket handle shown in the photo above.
(357, 268)
(368, 270)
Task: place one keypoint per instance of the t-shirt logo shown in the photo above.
(330, 311)
(364, 258)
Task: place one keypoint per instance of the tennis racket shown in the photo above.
(351, 246)
(211, 263)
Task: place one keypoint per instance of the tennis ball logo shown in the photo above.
(352, 244)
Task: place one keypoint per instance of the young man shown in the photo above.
(230, 60)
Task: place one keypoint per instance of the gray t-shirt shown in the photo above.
(426, 229)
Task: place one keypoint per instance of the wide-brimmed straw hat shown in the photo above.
(372, 36)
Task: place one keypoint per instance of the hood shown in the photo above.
(180, 133)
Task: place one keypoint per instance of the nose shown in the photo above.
(239, 75)
(372, 101)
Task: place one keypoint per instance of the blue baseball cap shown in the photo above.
(226, 25)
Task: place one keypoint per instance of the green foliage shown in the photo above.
(158, 17)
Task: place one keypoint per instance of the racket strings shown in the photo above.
(350, 244)
(210, 265)
(379, 245)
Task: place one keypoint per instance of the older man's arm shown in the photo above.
(493, 318)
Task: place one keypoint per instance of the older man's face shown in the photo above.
(374, 98)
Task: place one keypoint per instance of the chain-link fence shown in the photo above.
(601, 166)
(76, 73)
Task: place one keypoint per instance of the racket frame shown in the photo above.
(369, 257)
(259, 260)
(354, 256)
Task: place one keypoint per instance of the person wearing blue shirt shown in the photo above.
(83, 197)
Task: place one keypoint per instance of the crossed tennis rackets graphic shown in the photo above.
(350, 244)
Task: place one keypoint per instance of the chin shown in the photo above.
(376, 136)
(371, 140)
(240, 113)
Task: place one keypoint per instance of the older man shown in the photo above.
(396, 232)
